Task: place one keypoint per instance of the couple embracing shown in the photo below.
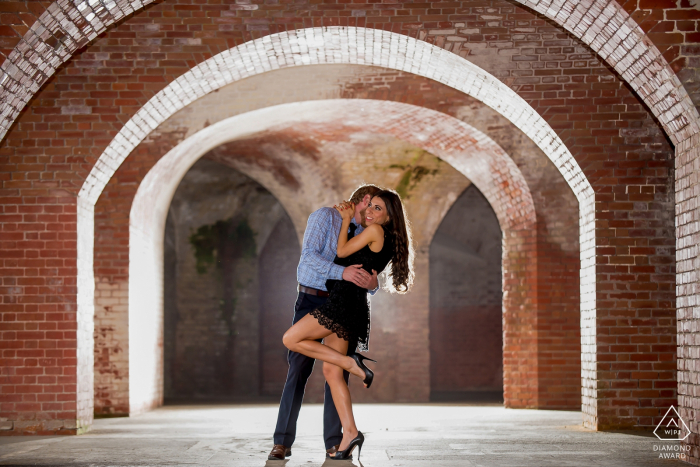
(344, 249)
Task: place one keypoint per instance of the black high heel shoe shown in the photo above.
(355, 443)
(369, 374)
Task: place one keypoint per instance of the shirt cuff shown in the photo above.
(336, 272)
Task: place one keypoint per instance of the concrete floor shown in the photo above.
(432, 435)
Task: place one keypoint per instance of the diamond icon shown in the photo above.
(669, 428)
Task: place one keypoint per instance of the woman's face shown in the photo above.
(376, 212)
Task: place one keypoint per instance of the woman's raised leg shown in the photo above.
(302, 337)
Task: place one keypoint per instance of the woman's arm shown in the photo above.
(373, 233)
(346, 212)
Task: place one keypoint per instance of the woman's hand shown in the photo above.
(346, 210)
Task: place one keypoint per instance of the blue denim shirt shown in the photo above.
(319, 249)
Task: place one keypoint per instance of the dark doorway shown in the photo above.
(229, 288)
(466, 343)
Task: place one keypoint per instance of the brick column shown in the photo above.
(46, 360)
(520, 360)
(635, 324)
(413, 362)
(688, 288)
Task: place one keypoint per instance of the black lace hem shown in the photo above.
(339, 330)
(331, 325)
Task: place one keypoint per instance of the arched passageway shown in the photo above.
(225, 345)
(516, 108)
(466, 297)
(258, 142)
(230, 260)
(601, 146)
(555, 204)
(606, 27)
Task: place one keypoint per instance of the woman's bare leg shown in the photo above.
(302, 337)
(340, 391)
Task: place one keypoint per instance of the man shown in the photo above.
(315, 267)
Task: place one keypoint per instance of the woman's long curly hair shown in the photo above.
(399, 229)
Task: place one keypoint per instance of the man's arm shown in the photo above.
(373, 285)
(317, 228)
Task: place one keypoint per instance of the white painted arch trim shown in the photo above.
(609, 30)
(602, 24)
(343, 45)
(334, 45)
(361, 46)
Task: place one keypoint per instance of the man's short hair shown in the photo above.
(363, 191)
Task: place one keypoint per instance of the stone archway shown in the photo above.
(466, 149)
(317, 46)
(607, 28)
(686, 199)
(556, 207)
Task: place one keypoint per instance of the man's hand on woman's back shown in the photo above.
(360, 277)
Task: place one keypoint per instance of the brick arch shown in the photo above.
(340, 45)
(462, 146)
(335, 45)
(610, 31)
(603, 25)
(553, 386)
(687, 250)
(60, 31)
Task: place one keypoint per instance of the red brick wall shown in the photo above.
(466, 352)
(613, 137)
(38, 269)
(674, 27)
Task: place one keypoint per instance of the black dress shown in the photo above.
(346, 312)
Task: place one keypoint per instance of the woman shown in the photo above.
(345, 316)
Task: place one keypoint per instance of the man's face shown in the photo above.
(360, 209)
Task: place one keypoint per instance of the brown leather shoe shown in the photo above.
(279, 452)
(333, 450)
